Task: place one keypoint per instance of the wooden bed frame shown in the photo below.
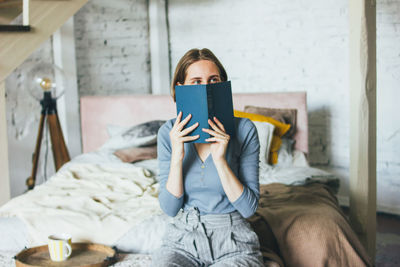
(99, 111)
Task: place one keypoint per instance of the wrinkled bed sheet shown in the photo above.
(92, 202)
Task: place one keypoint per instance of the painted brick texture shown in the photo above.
(112, 47)
(23, 114)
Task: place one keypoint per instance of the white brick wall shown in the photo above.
(302, 46)
(112, 47)
(388, 96)
(23, 113)
(277, 46)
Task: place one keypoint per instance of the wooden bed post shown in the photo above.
(4, 172)
(362, 40)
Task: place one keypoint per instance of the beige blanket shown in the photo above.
(91, 202)
(304, 226)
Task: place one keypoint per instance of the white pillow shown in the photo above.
(114, 130)
(143, 134)
(289, 157)
(265, 131)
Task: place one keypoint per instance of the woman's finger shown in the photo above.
(220, 125)
(178, 119)
(184, 122)
(189, 129)
(211, 139)
(215, 127)
(189, 138)
(215, 134)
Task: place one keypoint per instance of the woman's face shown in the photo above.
(202, 72)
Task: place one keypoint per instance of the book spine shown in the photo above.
(210, 103)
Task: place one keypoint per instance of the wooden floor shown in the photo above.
(387, 239)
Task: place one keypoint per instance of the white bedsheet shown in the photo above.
(96, 203)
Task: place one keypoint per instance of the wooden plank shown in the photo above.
(4, 168)
(362, 15)
(64, 57)
(25, 12)
(45, 17)
(159, 47)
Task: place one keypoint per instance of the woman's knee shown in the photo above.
(165, 257)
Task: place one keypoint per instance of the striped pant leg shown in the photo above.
(173, 251)
(237, 245)
(168, 257)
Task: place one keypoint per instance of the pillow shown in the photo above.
(288, 116)
(134, 154)
(113, 130)
(279, 131)
(144, 134)
(285, 153)
(265, 132)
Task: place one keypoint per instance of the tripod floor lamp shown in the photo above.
(43, 78)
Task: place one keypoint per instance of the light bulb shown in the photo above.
(46, 84)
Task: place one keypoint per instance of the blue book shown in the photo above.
(205, 101)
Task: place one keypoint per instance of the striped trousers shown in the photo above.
(208, 240)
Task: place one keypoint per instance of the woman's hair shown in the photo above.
(192, 56)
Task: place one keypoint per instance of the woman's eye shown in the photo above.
(197, 82)
(214, 80)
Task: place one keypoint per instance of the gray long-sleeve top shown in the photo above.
(202, 186)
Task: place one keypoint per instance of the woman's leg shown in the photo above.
(167, 257)
(173, 251)
(237, 245)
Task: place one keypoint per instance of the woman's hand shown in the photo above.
(220, 140)
(178, 137)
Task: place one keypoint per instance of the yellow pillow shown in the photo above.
(280, 130)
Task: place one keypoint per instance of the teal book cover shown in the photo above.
(205, 101)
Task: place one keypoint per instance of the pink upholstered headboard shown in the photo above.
(99, 111)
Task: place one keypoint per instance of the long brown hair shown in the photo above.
(192, 56)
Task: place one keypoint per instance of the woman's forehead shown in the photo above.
(202, 67)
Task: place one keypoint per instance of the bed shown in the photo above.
(99, 198)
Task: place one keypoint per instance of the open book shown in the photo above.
(205, 101)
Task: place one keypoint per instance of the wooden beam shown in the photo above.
(159, 47)
(4, 178)
(64, 57)
(45, 17)
(362, 18)
(25, 12)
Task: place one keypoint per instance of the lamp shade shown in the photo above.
(45, 77)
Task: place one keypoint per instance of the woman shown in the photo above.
(210, 188)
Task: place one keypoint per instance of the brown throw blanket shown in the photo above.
(304, 226)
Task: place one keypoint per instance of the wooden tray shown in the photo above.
(83, 255)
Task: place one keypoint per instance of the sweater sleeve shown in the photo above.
(247, 202)
(168, 202)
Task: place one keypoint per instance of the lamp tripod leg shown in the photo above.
(60, 151)
(30, 182)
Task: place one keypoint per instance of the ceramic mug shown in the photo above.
(60, 247)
